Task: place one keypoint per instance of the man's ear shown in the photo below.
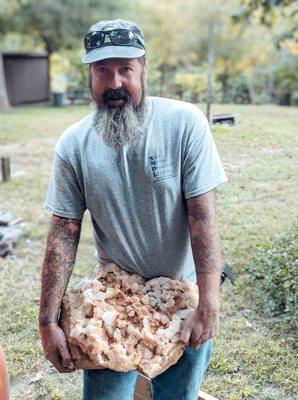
(145, 70)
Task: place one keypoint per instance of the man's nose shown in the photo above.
(115, 81)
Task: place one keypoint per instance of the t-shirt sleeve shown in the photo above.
(202, 169)
(64, 197)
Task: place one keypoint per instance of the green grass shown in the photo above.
(254, 356)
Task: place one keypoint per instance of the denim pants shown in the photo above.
(181, 381)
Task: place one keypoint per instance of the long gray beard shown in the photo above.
(120, 125)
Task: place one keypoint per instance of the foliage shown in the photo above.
(239, 92)
(190, 85)
(286, 79)
(274, 268)
(166, 48)
(67, 71)
(57, 24)
(251, 62)
(265, 9)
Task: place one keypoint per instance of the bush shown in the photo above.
(274, 270)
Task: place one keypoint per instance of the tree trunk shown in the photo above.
(252, 92)
(224, 80)
(163, 70)
(210, 67)
(271, 85)
(4, 103)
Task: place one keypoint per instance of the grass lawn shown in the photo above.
(254, 356)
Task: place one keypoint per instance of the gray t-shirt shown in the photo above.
(136, 195)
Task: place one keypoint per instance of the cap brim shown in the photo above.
(103, 53)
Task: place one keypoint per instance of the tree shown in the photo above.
(264, 10)
(210, 30)
(4, 103)
(163, 28)
(56, 24)
(269, 13)
(6, 10)
(279, 17)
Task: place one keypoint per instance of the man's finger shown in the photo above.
(204, 338)
(185, 334)
(54, 359)
(196, 343)
(196, 346)
(66, 359)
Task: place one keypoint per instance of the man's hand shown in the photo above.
(200, 326)
(55, 347)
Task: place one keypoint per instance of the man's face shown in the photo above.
(108, 77)
(119, 92)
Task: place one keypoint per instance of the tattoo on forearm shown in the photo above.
(204, 234)
(62, 243)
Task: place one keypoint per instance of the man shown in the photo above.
(146, 169)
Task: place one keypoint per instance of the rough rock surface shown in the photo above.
(120, 321)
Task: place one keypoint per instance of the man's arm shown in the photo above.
(61, 249)
(203, 323)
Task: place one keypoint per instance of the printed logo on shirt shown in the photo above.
(160, 167)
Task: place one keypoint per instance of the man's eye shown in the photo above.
(127, 69)
(101, 69)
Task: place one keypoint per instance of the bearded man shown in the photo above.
(146, 169)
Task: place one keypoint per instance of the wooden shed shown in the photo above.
(27, 77)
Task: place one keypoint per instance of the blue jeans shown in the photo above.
(181, 381)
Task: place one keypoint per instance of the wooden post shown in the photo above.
(5, 167)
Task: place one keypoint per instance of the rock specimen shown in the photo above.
(120, 321)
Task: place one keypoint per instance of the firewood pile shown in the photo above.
(123, 322)
(10, 232)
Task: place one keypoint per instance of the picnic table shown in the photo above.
(224, 119)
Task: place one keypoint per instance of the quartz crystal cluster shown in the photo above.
(123, 322)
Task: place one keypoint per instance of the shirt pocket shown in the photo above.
(160, 166)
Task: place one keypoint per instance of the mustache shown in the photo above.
(115, 94)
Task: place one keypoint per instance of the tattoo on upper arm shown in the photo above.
(64, 229)
(63, 239)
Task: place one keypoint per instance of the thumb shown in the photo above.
(185, 334)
